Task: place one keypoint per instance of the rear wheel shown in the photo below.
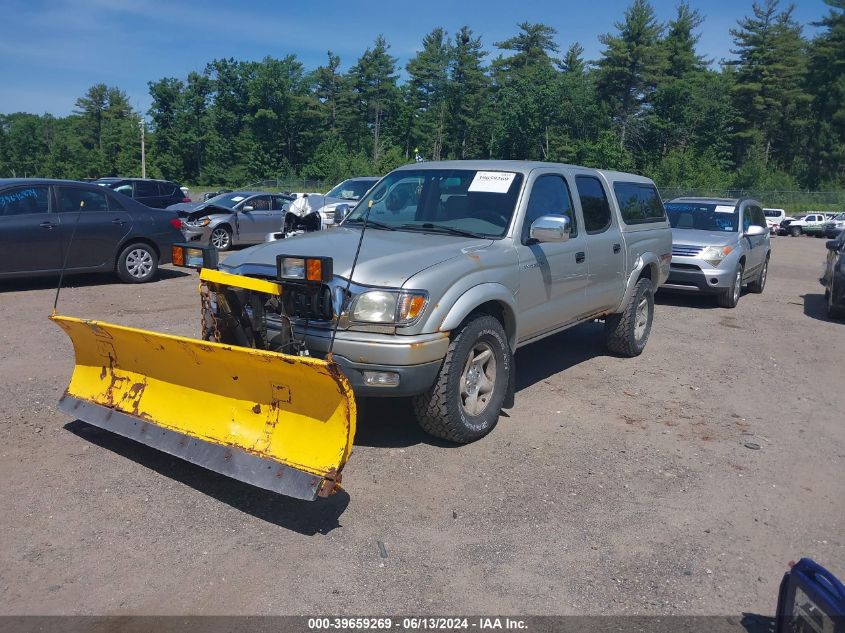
(137, 263)
(221, 238)
(729, 297)
(464, 403)
(626, 333)
(758, 284)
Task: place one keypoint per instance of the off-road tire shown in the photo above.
(224, 246)
(833, 312)
(729, 298)
(439, 410)
(620, 330)
(759, 283)
(137, 263)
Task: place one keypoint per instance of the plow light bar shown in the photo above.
(190, 256)
(307, 269)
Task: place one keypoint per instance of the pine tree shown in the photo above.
(631, 63)
(467, 97)
(769, 94)
(826, 82)
(573, 61)
(373, 80)
(428, 73)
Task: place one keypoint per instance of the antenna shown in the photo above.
(67, 252)
(349, 279)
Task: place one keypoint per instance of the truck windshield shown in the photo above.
(448, 201)
(702, 216)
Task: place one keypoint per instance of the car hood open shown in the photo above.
(388, 258)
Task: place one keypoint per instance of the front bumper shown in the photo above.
(197, 234)
(687, 274)
(416, 359)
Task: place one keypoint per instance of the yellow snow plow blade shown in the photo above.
(280, 422)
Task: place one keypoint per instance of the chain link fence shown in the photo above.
(790, 201)
(287, 185)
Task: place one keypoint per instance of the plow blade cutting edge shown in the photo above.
(280, 422)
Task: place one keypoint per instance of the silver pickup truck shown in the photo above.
(463, 262)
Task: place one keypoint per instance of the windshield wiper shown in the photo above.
(373, 223)
(451, 230)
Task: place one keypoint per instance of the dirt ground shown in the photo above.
(615, 486)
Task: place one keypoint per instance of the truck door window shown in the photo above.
(594, 204)
(549, 196)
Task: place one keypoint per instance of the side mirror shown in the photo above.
(340, 213)
(247, 208)
(755, 230)
(832, 245)
(550, 228)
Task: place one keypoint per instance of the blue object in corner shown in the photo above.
(810, 599)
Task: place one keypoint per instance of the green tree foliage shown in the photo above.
(769, 91)
(632, 62)
(772, 115)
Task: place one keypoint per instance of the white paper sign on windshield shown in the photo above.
(492, 181)
(724, 208)
(238, 198)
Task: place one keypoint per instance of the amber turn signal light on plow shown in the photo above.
(305, 269)
(189, 256)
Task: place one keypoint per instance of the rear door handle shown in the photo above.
(46, 225)
(617, 248)
(580, 257)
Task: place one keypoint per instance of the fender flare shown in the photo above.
(643, 260)
(479, 295)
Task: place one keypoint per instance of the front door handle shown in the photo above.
(617, 248)
(580, 257)
(118, 221)
(46, 225)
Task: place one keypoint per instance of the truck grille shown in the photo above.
(685, 250)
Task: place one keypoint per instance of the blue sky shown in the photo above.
(52, 51)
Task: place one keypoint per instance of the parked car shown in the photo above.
(786, 227)
(773, 218)
(46, 225)
(158, 194)
(834, 226)
(718, 246)
(348, 193)
(811, 224)
(833, 278)
(239, 217)
(464, 262)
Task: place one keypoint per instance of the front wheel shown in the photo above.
(729, 297)
(795, 231)
(626, 333)
(833, 311)
(137, 263)
(221, 238)
(464, 403)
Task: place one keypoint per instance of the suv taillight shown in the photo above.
(186, 200)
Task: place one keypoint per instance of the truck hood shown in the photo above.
(695, 237)
(388, 258)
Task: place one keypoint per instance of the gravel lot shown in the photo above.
(614, 486)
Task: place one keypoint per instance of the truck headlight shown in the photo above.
(389, 306)
(714, 255)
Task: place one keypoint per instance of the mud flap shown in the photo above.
(280, 422)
